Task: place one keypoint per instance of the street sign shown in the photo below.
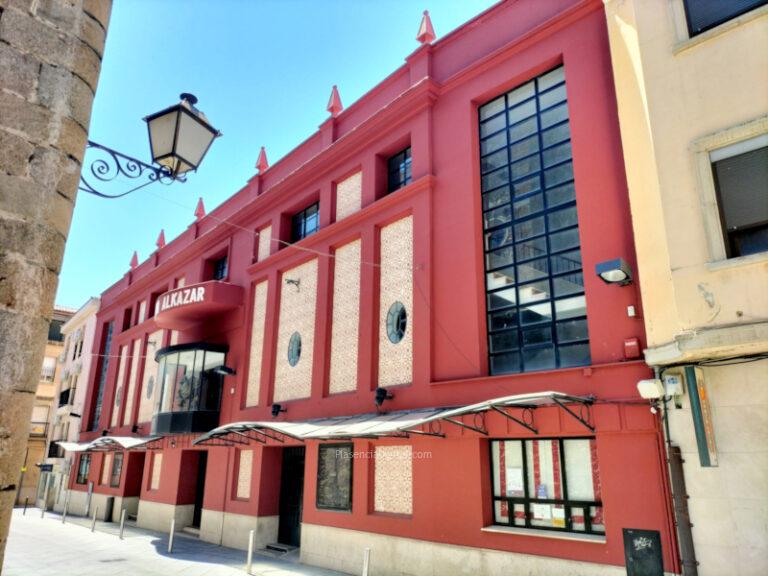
(45, 467)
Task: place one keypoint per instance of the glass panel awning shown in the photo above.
(397, 424)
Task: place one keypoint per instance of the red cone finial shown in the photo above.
(261, 163)
(160, 240)
(200, 210)
(134, 260)
(426, 33)
(334, 102)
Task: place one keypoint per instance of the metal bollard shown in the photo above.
(366, 561)
(26, 501)
(93, 522)
(170, 536)
(66, 509)
(251, 537)
(122, 523)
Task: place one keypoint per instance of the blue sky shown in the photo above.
(262, 71)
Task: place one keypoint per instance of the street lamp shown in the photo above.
(179, 138)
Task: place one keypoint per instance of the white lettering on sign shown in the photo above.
(182, 297)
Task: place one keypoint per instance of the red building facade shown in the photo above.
(432, 244)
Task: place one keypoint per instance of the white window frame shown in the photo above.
(710, 209)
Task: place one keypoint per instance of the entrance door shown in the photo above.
(291, 494)
(202, 463)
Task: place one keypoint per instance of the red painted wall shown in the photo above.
(431, 103)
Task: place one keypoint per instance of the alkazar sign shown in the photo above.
(181, 297)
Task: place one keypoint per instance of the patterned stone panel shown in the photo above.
(396, 285)
(349, 195)
(106, 468)
(265, 241)
(157, 470)
(123, 362)
(393, 479)
(257, 343)
(132, 381)
(297, 315)
(244, 473)
(150, 387)
(346, 318)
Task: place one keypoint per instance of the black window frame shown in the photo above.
(714, 23)
(335, 447)
(527, 501)
(103, 369)
(83, 469)
(301, 219)
(731, 238)
(399, 170)
(116, 469)
(544, 114)
(220, 268)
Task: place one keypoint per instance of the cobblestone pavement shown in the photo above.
(44, 546)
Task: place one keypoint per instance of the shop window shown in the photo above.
(551, 484)
(399, 170)
(534, 281)
(334, 476)
(117, 470)
(740, 173)
(305, 223)
(705, 14)
(83, 466)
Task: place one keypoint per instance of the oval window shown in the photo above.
(150, 387)
(397, 322)
(294, 349)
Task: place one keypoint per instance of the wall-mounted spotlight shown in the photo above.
(276, 409)
(615, 271)
(224, 370)
(381, 395)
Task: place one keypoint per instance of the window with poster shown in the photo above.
(547, 484)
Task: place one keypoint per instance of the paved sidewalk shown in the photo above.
(46, 547)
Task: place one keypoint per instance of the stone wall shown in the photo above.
(50, 60)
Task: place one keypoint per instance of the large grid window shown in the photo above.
(102, 376)
(83, 467)
(399, 170)
(334, 477)
(305, 222)
(534, 281)
(547, 484)
(705, 14)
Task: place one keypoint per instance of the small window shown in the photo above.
(294, 349)
(48, 371)
(220, 268)
(334, 477)
(740, 173)
(399, 170)
(705, 14)
(305, 223)
(547, 484)
(54, 331)
(397, 322)
(117, 470)
(83, 467)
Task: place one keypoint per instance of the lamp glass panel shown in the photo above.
(617, 275)
(161, 132)
(194, 139)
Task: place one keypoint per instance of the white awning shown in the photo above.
(396, 423)
(104, 443)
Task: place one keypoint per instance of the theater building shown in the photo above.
(394, 337)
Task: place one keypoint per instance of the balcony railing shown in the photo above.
(38, 429)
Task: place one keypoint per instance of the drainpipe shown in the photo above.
(680, 496)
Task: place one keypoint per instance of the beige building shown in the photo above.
(75, 363)
(692, 92)
(44, 405)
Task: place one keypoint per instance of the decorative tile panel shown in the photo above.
(396, 285)
(157, 469)
(345, 319)
(265, 241)
(150, 387)
(393, 479)
(297, 314)
(349, 195)
(244, 473)
(257, 343)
